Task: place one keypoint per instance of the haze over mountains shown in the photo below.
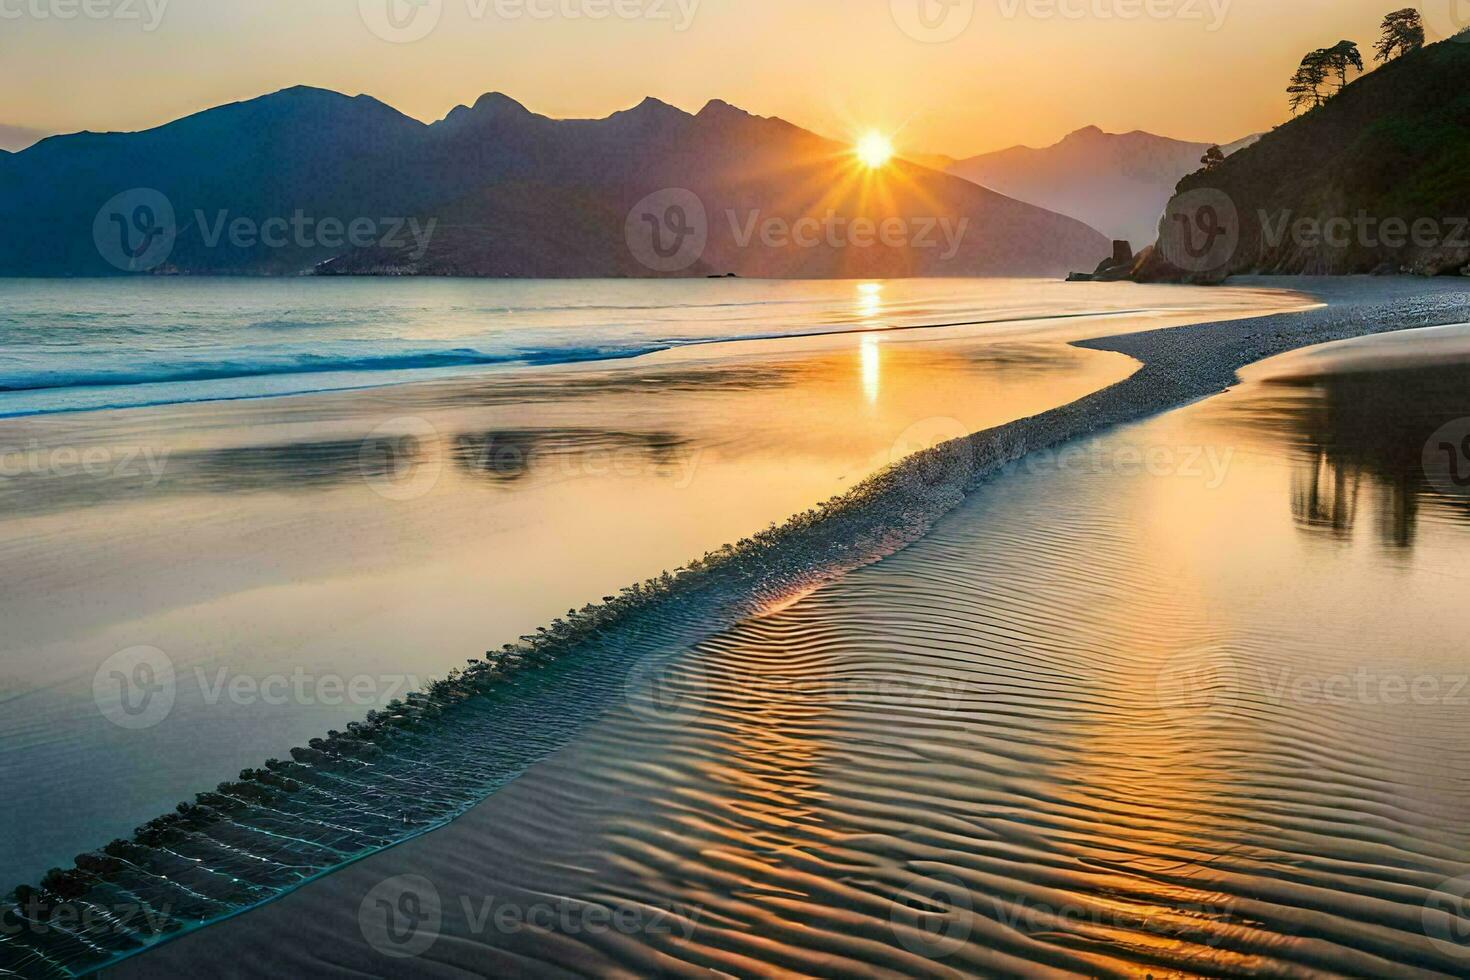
(13, 138)
(496, 190)
(1116, 183)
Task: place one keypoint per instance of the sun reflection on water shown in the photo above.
(872, 361)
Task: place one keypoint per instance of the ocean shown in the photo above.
(81, 345)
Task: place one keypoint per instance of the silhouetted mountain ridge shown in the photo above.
(509, 192)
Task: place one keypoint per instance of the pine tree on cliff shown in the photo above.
(1403, 32)
(1341, 57)
(1213, 158)
(1306, 85)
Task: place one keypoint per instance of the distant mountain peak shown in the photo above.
(501, 103)
(305, 93)
(650, 116)
(651, 108)
(491, 107)
(306, 90)
(1118, 183)
(719, 107)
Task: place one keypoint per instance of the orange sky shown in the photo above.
(1014, 71)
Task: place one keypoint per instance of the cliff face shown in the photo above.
(1375, 181)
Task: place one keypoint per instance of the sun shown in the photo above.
(874, 150)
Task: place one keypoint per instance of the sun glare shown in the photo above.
(874, 150)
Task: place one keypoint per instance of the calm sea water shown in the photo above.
(282, 565)
(1188, 701)
(115, 343)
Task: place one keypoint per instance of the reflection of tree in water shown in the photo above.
(1368, 431)
(1324, 496)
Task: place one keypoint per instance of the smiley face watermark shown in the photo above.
(1447, 459)
(1200, 231)
(1446, 20)
(934, 454)
(933, 21)
(400, 460)
(668, 230)
(401, 916)
(135, 231)
(135, 688)
(1200, 685)
(1446, 917)
(932, 916)
(666, 692)
(401, 21)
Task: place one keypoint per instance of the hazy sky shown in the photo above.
(1015, 71)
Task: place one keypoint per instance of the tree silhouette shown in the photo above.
(1341, 57)
(1305, 89)
(1403, 32)
(1213, 158)
(1316, 68)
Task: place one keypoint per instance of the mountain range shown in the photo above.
(1116, 183)
(268, 186)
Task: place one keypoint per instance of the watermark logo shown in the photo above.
(406, 21)
(43, 917)
(668, 230)
(945, 459)
(135, 688)
(1446, 917)
(667, 692)
(1200, 231)
(67, 10)
(398, 461)
(401, 917)
(931, 917)
(1364, 231)
(401, 21)
(1447, 459)
(135, 231)
(837, 231)
(1209, 465)
(1199, 685)
(1446, 20)
(1210, 12)
(933, 21)
(146, 463)
(407, 235)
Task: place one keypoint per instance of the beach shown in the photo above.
(919, 730)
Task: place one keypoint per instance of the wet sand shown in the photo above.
(884, 515)
(284, 565)
(297, 562)
(1005, 749)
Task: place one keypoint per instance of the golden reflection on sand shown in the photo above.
(399, 531)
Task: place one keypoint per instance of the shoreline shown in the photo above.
(178, 387)
(898, 506)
